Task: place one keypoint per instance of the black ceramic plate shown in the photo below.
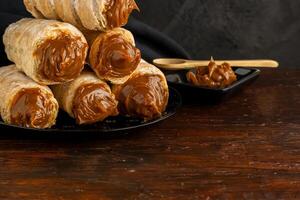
(113, 124)
(179, 81)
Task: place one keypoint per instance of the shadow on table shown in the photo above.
(8, 133)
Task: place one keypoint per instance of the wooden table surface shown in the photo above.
(246, 147)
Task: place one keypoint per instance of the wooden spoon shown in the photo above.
(179, 64)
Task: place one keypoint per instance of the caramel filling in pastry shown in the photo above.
(144, 97)
(93, 103)
(62, 58)
(31, 108)
(118, 12)
(116, 58)
(213, 76)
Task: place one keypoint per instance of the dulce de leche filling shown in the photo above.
(118, 12)
(62, 58)
(213, 76)
(143, 97)
(116, 58)
(31, 108)
(93, 103)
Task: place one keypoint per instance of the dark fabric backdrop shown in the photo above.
(229, 28)
(220, 28)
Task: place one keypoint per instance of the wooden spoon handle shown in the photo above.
(190, 64)
(250, 63)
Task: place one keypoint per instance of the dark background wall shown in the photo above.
(229, 28)
(220, 28)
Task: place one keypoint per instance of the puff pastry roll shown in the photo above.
(98, 15)
(48, 51)
(145, 94)
(113, 55)
(24, 102)
(87, 99)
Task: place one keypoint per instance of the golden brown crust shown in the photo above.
(31, 7)
(46, 8)
(66, 11)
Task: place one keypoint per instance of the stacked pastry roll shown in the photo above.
(50, 52)
(98, 15)
(25, 102)
(145, 94)
(113, 55)
(88, 99)
(53, 49)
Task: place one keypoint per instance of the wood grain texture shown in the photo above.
(246, 147)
